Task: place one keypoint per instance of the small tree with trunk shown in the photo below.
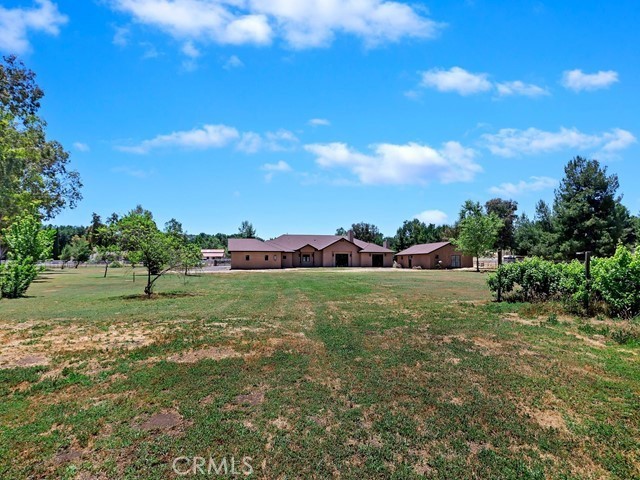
(478, 232)
(144, 244)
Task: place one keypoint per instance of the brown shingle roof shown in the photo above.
(254, 245)
(423, 248)
(291, 243)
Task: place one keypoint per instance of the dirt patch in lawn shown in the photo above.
(24, 346)
(210, 353)
(546, 418)
(169, 420)
(252, 399)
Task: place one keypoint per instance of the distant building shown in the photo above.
(288, 251)
(212, 254)
(433, 255)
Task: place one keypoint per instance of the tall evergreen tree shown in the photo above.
(505, 210)
(587, 215)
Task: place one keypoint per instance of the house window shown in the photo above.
(266, 258)
(306, 258)
(247, 257)
(284, 257)
(456, 261)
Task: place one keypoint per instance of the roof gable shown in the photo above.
(423, 248)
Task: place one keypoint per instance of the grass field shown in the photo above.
(324, 373)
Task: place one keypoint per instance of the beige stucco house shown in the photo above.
(433, 255)
(293, 251)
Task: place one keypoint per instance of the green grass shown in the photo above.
(377, 374)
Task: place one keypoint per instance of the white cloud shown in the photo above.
(81, 147)
(436, 217)
(17, 23)
(217, 136)
(190, 50)
(319, 122)
(209, 136)
(461, 81)
(517, 87)
(535, 184)
(273, 168)
(301, 23)
(456, 80)
(391, 164)
(233, 62)
(278, 141)
(121, 36)
(578, 81)
(134, 172)
(511, 142)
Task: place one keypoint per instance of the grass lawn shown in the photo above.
(323, 373)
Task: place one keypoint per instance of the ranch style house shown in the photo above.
(292, 251)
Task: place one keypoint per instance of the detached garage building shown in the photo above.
(293, 251)
(433, 255)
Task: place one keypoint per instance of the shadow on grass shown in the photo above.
(156, 296)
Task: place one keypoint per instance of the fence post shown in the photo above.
(587, 277)
(499, 275)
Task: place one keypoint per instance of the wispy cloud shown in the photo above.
(301, 24)
(17, 23)
(134, 172)
(512, 142)
(579, 81)
(456, 80)
(437, 217)
(273, 168)
(121, 36)
(216, 136)
(534, 184)
(411, 163)
(460, 81)
(508, 89)
(81, 147)
(278, 141)
(233, 62)
(209, 136)
(319, 122)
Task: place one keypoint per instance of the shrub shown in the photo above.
(16, 276)
(616, 280)
(536, 278)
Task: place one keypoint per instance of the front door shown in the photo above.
(342, 260)
(377, 260)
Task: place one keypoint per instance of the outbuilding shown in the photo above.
(433, 255)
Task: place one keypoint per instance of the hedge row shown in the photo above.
(615, 281)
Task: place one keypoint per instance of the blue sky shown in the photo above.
(306, 115)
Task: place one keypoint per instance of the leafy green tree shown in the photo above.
(586, 212)
(107, 249)
(478, 232)
(536, 237)
(341, 232)
(367, 232)
(79, 250)
(414, 232)
(505, 210)
(27, 243)
(26, 238)
(93, 231)
(63, 236)
(159, 252)
(34, 171)
(246, 230)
